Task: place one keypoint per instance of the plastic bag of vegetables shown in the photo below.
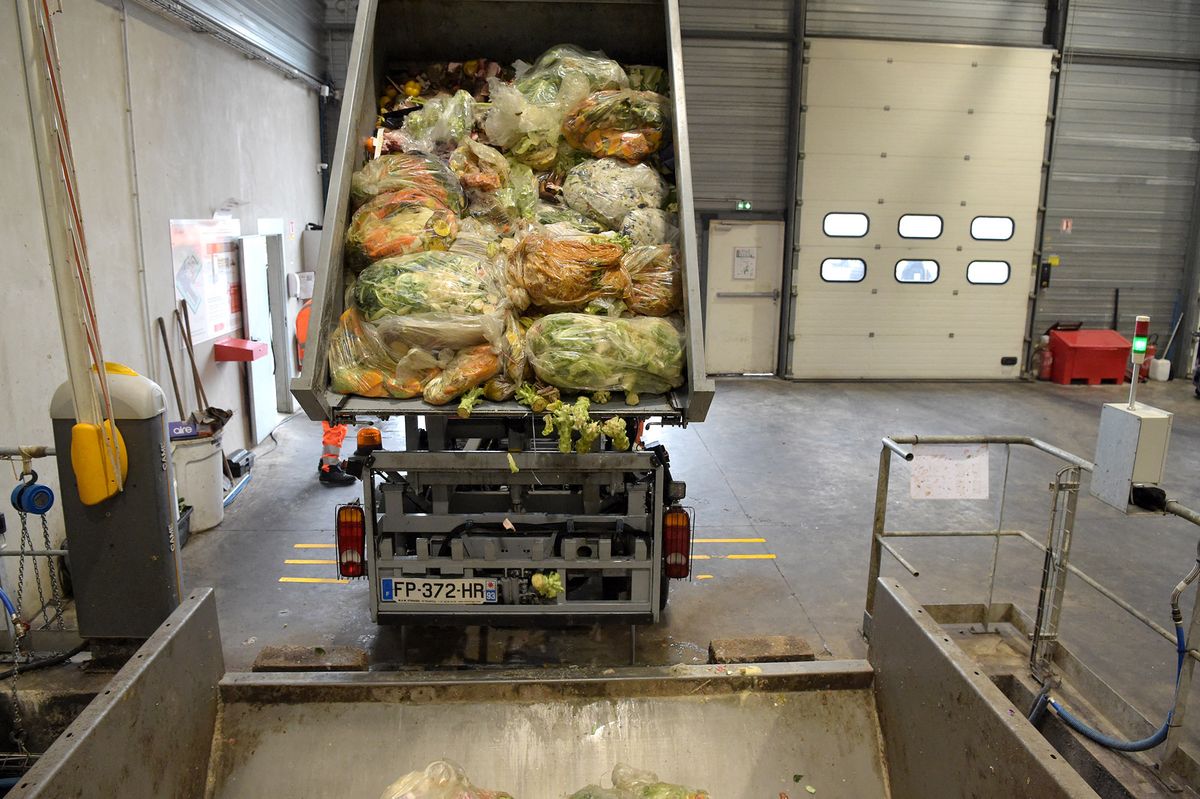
(650, 226)
(647, 78)
(581, 352)
(630, 783)
(360, 363)
(479, 166)
(441, 779)
(623, 124)
(565, 274)
(469, 368)
(442, 120)
(398, 223)
(499, 191)
(607, 189)
(546, 213)
(428, 282)
(656, 284)
(399, 171)
(531, 131)
(543, 82)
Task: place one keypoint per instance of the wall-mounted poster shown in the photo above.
(204, 256)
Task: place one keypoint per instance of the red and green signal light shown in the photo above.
(1141, 334)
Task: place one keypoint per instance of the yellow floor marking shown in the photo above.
(763, 556)
(704, 576)
(310, 562)
(312, 580)
(731, 540)
(313, 546)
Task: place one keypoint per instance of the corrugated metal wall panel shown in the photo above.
(290, 30)
(737, 102)
(1124, 172)
(1135, 28)
(1009, 22)
(720, 16)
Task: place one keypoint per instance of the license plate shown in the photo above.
(439, 592)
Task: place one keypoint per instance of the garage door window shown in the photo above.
(916, 271)
(992, 228)
(843, 270)
(920, 226)
(846, 225)
(988, 273)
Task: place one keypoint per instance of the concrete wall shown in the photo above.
(206, 124)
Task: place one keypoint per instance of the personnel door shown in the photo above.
(745, 261)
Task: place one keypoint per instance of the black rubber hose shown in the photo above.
(34, 665)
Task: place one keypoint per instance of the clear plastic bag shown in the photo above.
(469, 368)
(648, 78)
(441, 779)
(531, 131)
(479, 166)
(656, 283)
(429, 282)
(622, 124)
(631, 783)
(444, 120)
(581, 352)
(399, 223)
(499, 192)
(416, 171)
(564, 274)
(542, 83)
(607, 189)
(546, 213)
(440, 331)
(360, 363)
(650, 226)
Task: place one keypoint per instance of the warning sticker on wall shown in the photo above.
(949, 471)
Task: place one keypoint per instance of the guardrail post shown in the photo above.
(877, 529)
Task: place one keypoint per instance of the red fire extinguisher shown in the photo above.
(1046, 365)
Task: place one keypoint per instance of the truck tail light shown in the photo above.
(677, 542)
(351, 541)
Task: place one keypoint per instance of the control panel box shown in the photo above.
(1131, 449)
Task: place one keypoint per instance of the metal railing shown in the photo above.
(1056, 550)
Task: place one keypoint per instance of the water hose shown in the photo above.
(1159, 735)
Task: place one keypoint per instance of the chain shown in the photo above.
(27, 546)
(55, 591)
(18, 728)
(18, 733)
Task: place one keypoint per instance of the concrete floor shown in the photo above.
(793, 464)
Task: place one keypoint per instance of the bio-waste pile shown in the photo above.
(445, 780)
(513, 235)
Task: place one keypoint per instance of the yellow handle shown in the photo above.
(91, 463)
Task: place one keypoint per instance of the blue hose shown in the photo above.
(8, 605)
(1156, 738)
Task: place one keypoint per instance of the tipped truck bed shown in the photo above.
(631, 31)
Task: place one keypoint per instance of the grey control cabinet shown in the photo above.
(124, 559)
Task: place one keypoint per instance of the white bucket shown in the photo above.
(199, 479)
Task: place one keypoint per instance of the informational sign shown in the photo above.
(205, 263)
(745, 263)
(949, 471)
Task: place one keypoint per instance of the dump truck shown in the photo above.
(463, 522)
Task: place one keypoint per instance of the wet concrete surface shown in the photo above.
(791, 463)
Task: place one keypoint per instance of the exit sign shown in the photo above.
(745, 205)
